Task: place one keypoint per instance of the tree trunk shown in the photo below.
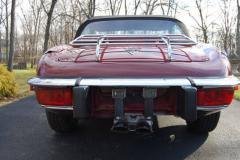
(47, 31)
(10, 62)
(205, 36)
(7, 32)
(25, 49)
(238, 34)
(125, 7)
(136, 4)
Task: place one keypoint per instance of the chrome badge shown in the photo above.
(132, 50)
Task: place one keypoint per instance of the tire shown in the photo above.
(61, 123)
(204, 124)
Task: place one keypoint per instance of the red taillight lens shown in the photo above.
(236, 88)
(214, 96)
(210, 96)
(59, 97)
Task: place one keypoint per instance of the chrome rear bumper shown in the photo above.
(199, 108)
(206, 82)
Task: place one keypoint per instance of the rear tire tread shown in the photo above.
(61, 123)
(204, 124)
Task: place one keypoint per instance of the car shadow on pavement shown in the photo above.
(94, 140)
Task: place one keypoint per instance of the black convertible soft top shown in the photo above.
(129, 17)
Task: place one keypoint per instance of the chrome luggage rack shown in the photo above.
(98, 40)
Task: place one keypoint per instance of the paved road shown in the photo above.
(25, 134)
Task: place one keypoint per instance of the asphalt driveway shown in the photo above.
(25, 134)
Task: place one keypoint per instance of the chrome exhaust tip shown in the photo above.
(143, 127)
(120, 127)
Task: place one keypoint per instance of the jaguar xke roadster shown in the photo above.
(130, 69)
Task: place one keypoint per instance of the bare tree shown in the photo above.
(169, 7)
(67, 22)
(1, 20)
(7, 29)
(126, 8)
(49, 20)
(238, 32)
(10, 62)
(136, 5)
(88, 7)
(114, 6)
(31, 24)
(202, 24)
(150, 6)
(228, 21)
(203, 19)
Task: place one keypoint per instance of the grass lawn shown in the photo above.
(237, 94)
(21, 77)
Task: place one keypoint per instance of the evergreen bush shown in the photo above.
(8, 85)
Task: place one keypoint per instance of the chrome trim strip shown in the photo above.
(72, 42)
(135, 82)
(59, 107)
(58, 82)
(211, 108)
(92, 44)
(167, 41)
(99, 41)
(130, 40)
(209, 82)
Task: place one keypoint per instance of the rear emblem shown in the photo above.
(132, 50)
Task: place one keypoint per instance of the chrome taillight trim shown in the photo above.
(211, 108)
(52, 82)
(213, 82)
(59, 107)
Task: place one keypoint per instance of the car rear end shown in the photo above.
(133, 101)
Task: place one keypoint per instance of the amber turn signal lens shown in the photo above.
(55, 97)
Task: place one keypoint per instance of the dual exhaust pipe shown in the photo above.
(140, 127)
(140, 124)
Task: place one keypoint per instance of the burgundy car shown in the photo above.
(132, 68)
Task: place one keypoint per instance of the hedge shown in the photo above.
(8, 85)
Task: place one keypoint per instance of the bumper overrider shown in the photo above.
(187, 92)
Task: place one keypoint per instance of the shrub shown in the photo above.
(8, 85)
